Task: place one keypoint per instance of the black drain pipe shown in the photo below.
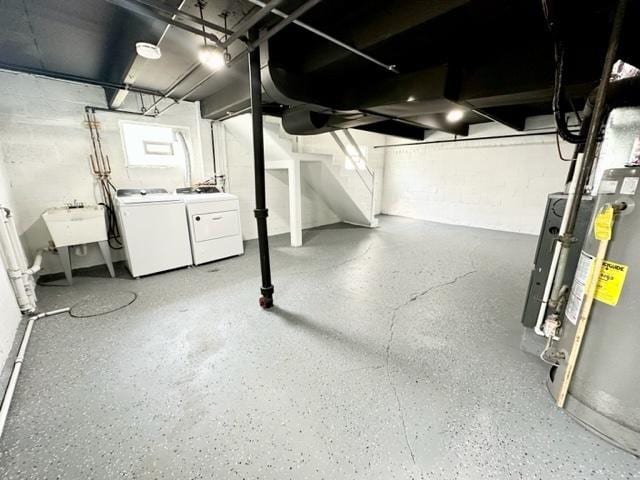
(261, 212)
(598, 114)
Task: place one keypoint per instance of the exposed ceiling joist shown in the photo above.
(137, 7)
(335, 41)
(116, 99)
(184, 16)
(251, 20)
(75, 78)
(301, 10)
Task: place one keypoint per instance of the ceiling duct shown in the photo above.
(299, 121)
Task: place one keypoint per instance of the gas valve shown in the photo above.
(551, 326)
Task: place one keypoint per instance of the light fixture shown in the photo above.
(148, 50)
(411, 98)
(212, 57)
(455, 115)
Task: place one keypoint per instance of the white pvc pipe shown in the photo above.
(28, 281)
(37, 263)
(571, 199)
(17, 365)
(17, 245)
(16, 274)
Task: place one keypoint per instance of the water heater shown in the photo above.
(604, 392)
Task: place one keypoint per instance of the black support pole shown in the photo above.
(261, 212)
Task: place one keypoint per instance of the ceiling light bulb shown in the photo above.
(455, 116)
(148, 50)
(211, 57)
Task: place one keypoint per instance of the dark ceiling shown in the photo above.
(493, 58)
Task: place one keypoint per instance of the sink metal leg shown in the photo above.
(65, 258)
(106, 254)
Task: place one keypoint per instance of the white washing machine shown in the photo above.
(154, 230)
(214, 225)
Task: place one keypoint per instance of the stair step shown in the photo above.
(313, 157)
(277, 164)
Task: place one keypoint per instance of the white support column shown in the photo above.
(295, 203)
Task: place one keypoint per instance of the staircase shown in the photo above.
(335, 170)
(345, 183)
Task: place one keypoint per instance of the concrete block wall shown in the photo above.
(45, 147)
(496, 184)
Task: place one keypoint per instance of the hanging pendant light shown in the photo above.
(210, 56)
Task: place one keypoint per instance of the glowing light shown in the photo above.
(211, 57)
(455, 116)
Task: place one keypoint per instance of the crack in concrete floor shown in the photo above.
(346, 261)
(392, 328)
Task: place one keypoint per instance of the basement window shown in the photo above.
(148, 145)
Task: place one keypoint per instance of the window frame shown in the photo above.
(186, 131)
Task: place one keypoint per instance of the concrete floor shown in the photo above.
(392, 354)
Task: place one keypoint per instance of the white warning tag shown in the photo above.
(629, 185)
(576, 297)
(608, 186)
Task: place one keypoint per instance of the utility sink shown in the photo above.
(76, 225)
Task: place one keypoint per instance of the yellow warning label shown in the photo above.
(603, 223)
(610, 283)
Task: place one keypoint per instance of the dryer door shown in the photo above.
(210, 226)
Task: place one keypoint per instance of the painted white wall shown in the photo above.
(45, 147)
(497, 184)
(9, 312)
(239, 152)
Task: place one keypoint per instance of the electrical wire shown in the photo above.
(575, 110)
(543, 353)
(113, 231)
(101, 169)
(40, 283)
(560, 150)
(75, 315)
(558, 87)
